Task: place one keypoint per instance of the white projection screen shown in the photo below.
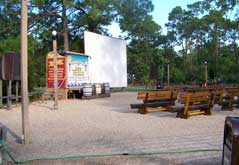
(108, 62)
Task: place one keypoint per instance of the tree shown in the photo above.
(143, 35)
(9, 18)
(71, 17)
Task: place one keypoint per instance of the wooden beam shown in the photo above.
(197, 113)
(55, 74)
(24, 75)
(0, 93)
(17, 86)
(9, 94)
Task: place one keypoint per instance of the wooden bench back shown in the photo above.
(156, 95)
(202, 89)
(195, 97)
(232, 91)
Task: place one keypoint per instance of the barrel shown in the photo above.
(107, 88)
(103, 88)
(98, 89)
(93, 90)
(87, 90)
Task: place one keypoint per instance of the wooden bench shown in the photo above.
(217, 90)
(228, 100)
(153, 101)
(195, 103)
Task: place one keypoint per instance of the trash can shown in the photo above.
(231, 141)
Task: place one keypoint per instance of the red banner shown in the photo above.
(50, 71)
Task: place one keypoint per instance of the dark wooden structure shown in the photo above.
(230, 98)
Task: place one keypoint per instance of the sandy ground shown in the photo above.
(108, 125)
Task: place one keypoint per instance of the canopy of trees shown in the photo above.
(207, 30)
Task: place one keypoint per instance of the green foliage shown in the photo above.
(177, 75)
(206, 31)
(11, 44)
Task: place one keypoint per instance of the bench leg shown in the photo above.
(230, 106)
(181, 115)
(207, 111)
(178, 114)
(142, 110)
(224, 106)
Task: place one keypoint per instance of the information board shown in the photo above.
(60, 69)
(77, 70)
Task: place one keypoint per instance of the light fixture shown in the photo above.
(54, 33)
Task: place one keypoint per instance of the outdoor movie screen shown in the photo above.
(108, 61)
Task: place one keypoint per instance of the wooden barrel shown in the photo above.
(98, 89)
(87, 90)
(103, 88)
(107, 88)
(93, 90)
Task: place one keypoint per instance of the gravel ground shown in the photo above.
(108, 125)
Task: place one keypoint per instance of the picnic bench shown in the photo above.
(194, 103)
(230, 98)
(217, 90)
(153, 101)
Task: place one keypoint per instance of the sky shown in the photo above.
(163, 7)
(160, 14)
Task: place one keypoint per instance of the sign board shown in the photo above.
(108, 59)
(77, 69)
(10, 67)
(50, 71)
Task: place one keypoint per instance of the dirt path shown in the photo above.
(108, 125)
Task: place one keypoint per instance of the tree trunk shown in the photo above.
(235, 51)
(64, 24)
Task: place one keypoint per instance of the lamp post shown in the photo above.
(54, 36)
(168, 73)
(205, 64)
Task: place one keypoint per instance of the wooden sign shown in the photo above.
(60, 70)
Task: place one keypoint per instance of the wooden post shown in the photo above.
(9, 95)
(54, 33)
(24, 75)
(1, 93)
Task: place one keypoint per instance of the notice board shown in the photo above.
(50, 71)
(77, 69)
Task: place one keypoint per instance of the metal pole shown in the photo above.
(55, 73)
(162, 71)
(24, 83)
(206, 76)
(206, 73)
(168, 74)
